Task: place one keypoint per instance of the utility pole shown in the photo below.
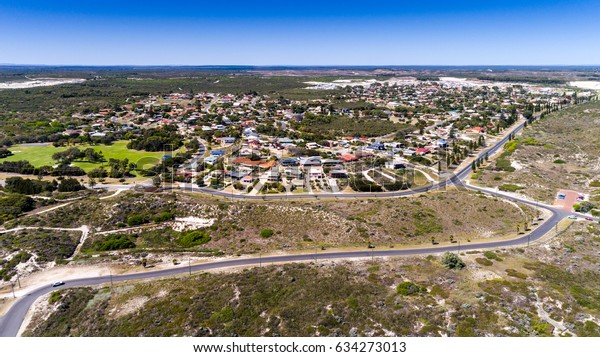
(190, 265)
(111, 281)
(12, 285)
(260, 260)
(18, 281)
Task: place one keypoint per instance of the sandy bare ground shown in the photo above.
(40, 82)
(595, 85)
(116, 193)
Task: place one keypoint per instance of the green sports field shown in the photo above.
(42, 155)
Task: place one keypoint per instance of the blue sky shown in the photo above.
(376, 32)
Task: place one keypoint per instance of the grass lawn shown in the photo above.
(420, 179)
(42, 155)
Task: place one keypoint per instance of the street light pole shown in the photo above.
(12, 285)
(190, 265)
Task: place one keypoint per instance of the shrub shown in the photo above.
(452, 261)
(508, 187)
(584, 207)
(238, 186)
(113, 242)
(28, 186)
(5, 153)
(193, 238)
(484, 262)
(595, 184)
(136, 219)
(54, 297)
(503, 164)
(516, 274)
(70, 185)
(266, 233)
(491, 255)
(13, 205)
(559, 161)
(407, 288)
(163, 217)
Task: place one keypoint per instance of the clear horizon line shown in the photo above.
(296, 65)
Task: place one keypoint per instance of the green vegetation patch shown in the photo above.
(193, 238)
(492, 255)
(508, 187)
(484, 262)
(516, 274)
(46, 245)
(452, 261)
(407, 288)
(266, 233)
(113, 242)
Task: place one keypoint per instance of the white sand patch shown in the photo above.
(190, 223)
(483, 275)
(595, 85)
(517, 165)
(341, 83)
(452, 79)
(41, 82)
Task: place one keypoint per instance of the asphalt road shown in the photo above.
(11, 322)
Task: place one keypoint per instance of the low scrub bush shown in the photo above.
(407, 288)
(113, 242)
(452, 261)
(193, 238)
(266, 233)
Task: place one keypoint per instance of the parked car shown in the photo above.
(58, 283)
(572, 216)
(589, 219)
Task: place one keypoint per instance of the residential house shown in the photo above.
(311, 161)
(211, 160)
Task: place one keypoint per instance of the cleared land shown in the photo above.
(561, 151)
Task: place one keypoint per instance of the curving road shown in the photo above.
(11, 322)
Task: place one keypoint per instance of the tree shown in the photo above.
(70, 185)
(473, 166)
(156, 181)
(452, 261)
(91, 182)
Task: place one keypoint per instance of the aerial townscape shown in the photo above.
(299, 200)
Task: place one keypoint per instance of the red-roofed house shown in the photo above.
(423, 151)
(348, 157)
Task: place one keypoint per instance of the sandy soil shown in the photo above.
(595, 85)
(41, 82)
